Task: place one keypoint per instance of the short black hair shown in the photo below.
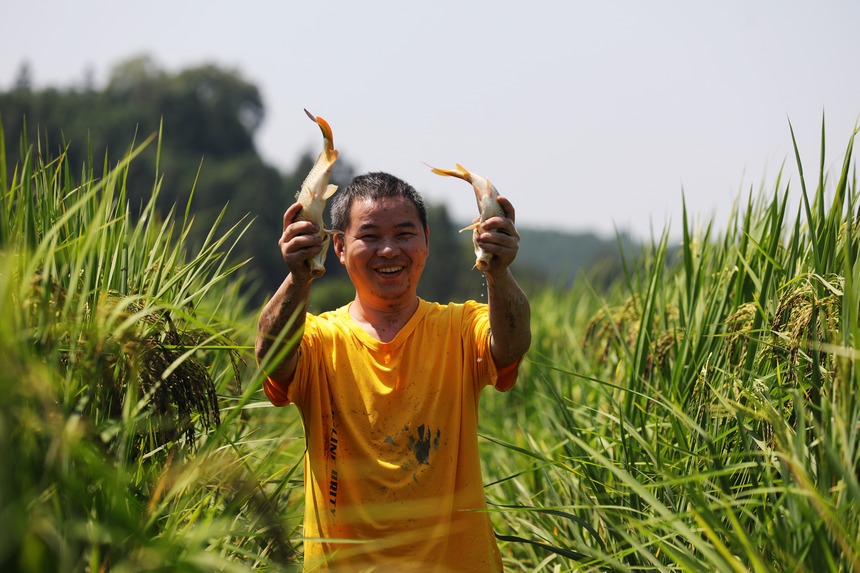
(373, 186)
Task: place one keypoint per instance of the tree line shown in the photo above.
(208, 117)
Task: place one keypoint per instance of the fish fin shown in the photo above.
(471, 227)
(324, 127)
(329, 191)
(460, 172)
(438, 171)
(332, 232)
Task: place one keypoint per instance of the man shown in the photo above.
(388, 386)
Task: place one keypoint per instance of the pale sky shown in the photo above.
(589, 116)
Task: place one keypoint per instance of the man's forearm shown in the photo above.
(289, 303)
(509, 319)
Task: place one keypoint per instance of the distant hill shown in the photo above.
(558, 257)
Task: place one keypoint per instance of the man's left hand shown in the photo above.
(499, 237)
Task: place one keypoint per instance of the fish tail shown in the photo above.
(460, 172)
(326, 131)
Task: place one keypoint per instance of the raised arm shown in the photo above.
(509, 308)
(298, 244)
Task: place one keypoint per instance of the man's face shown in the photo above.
(384, 250)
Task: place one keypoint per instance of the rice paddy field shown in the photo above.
(701, 414)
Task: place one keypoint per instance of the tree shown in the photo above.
(24, 78)
(208, 116)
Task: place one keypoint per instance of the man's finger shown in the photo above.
(508, 208)
(291, 214)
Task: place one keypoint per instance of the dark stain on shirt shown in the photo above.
(422, 442)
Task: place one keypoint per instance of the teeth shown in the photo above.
(389, 269)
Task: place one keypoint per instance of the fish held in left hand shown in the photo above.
(488, 206)
(316, 190)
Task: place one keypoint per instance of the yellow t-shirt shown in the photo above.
(392, 474)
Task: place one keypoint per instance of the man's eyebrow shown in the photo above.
(403, 225)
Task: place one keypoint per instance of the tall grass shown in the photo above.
(700, 414)
(122, 411)
(704, 414)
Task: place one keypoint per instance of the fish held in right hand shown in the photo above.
(315, 191)
(488, 206)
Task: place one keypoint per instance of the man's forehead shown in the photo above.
(394, 211)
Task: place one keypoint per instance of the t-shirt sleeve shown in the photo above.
(507, 377)
(276, 392)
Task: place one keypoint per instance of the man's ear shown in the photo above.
(339, 247)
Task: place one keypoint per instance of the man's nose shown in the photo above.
(388, 248)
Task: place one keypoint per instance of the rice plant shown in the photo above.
(704, 414)
(122, 373)
(701, 414)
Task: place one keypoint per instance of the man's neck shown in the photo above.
(382, 323)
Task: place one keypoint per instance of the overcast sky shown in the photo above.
(589, 116)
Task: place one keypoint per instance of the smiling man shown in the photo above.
(388, 386)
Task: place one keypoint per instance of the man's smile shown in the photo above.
(389, 270)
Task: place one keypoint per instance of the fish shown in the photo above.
(488, 206)
(316, 190)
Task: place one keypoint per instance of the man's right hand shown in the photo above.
(299, 243)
